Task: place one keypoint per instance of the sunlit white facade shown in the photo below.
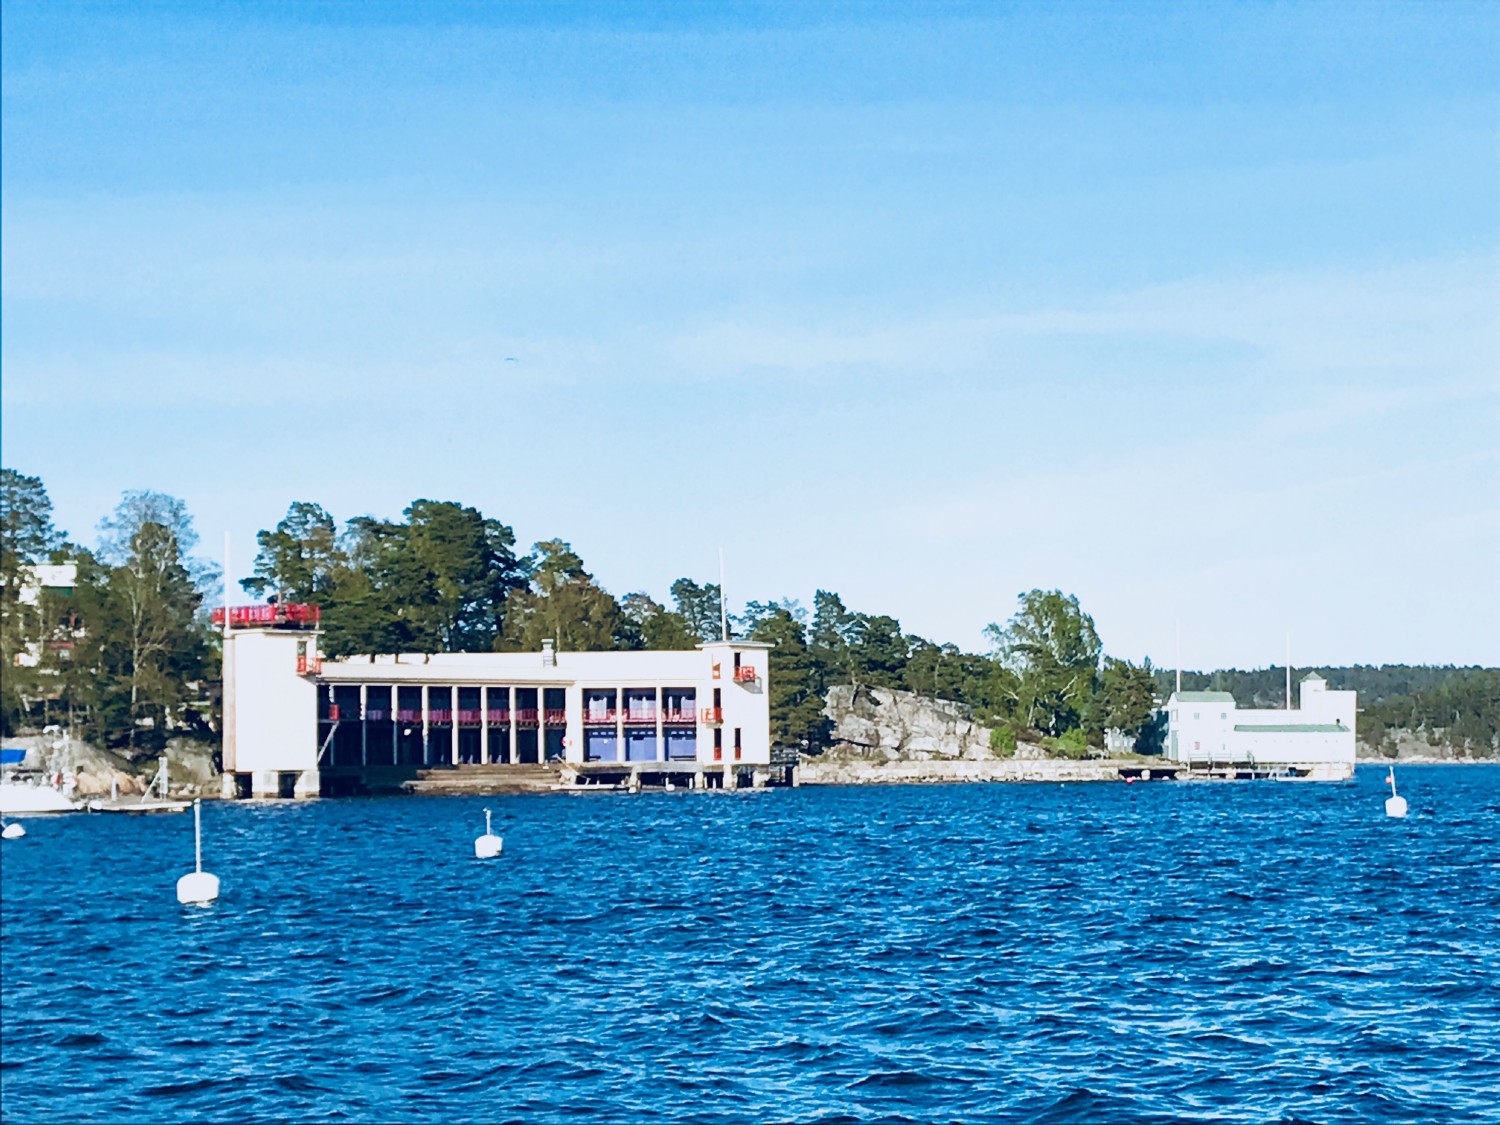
(1207, 729)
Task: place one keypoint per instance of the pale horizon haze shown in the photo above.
(1191, 310)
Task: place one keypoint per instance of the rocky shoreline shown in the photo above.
(857, 771)
(192, 766)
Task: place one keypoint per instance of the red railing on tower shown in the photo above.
(295, 615)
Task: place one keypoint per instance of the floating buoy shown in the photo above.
(1394, 805)
(489, 845)
(197, 886)
(12, 831)
(670, 788)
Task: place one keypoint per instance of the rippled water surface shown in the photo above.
(1043, 953)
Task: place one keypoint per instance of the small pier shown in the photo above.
(551, 777)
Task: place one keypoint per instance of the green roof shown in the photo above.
(1292, 728)
(1204, 697)
(1313, 676)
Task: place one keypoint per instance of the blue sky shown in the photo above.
(1191, 310)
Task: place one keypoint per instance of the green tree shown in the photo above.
(146, 643)
(27, 537)
(300, 560)
(649, 624)
(877, 651)
(564, 604)
(460, 568)
(828, 640)
(437, 581)
(946, 672)
(699, 606)
(1053, 649)
(796, 703)
(1126, 697)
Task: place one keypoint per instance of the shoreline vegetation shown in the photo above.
(125, 659)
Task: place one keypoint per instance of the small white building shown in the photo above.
(57, 580)
(293, 722)
(1205, 729)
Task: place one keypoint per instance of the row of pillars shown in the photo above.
(485, 699)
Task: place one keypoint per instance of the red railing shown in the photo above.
(604, 718)
(333, 713)
(526, 716)
(497, 717)
(308, 665)
(744, 674)
(713, 716)
(470, 717)
(556, 716)
(376, 715)
(640, 718)
(249, 616)
(680, 716)
(442, 716)
(408, 715)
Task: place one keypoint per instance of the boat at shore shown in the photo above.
(26, 792)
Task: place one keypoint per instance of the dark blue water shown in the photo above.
(1157, 952)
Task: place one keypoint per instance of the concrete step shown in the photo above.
(479, 780)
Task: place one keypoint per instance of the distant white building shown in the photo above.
(297, 725)
(58, 580)
(1205, 729)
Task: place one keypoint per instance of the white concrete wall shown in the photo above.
(275, 720)
(1293, 747)
(746, 705)
(1315, 699)
(1203, 730)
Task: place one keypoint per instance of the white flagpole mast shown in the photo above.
(723, 609)
(1288, 671)
(226, 584)
(1179, 657)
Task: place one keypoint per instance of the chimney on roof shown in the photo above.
(549, 657)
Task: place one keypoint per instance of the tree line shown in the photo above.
(127, 655)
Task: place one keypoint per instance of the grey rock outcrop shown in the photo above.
(899, 726)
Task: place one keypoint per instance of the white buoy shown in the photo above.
(1394, 805)
(489, 845)
(12, 831)
(670, 788)
(197, 886)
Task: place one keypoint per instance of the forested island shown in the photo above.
(126, 658)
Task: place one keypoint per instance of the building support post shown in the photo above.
(364, 728)
(453, 723)
(426, 722)
(515, 742)
(661, 733)
(621, 750)
(541, 726)
(484, 724)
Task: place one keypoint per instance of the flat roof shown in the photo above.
(1292, 728)
(645, 666)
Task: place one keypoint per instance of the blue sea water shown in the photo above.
(1252, 952)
